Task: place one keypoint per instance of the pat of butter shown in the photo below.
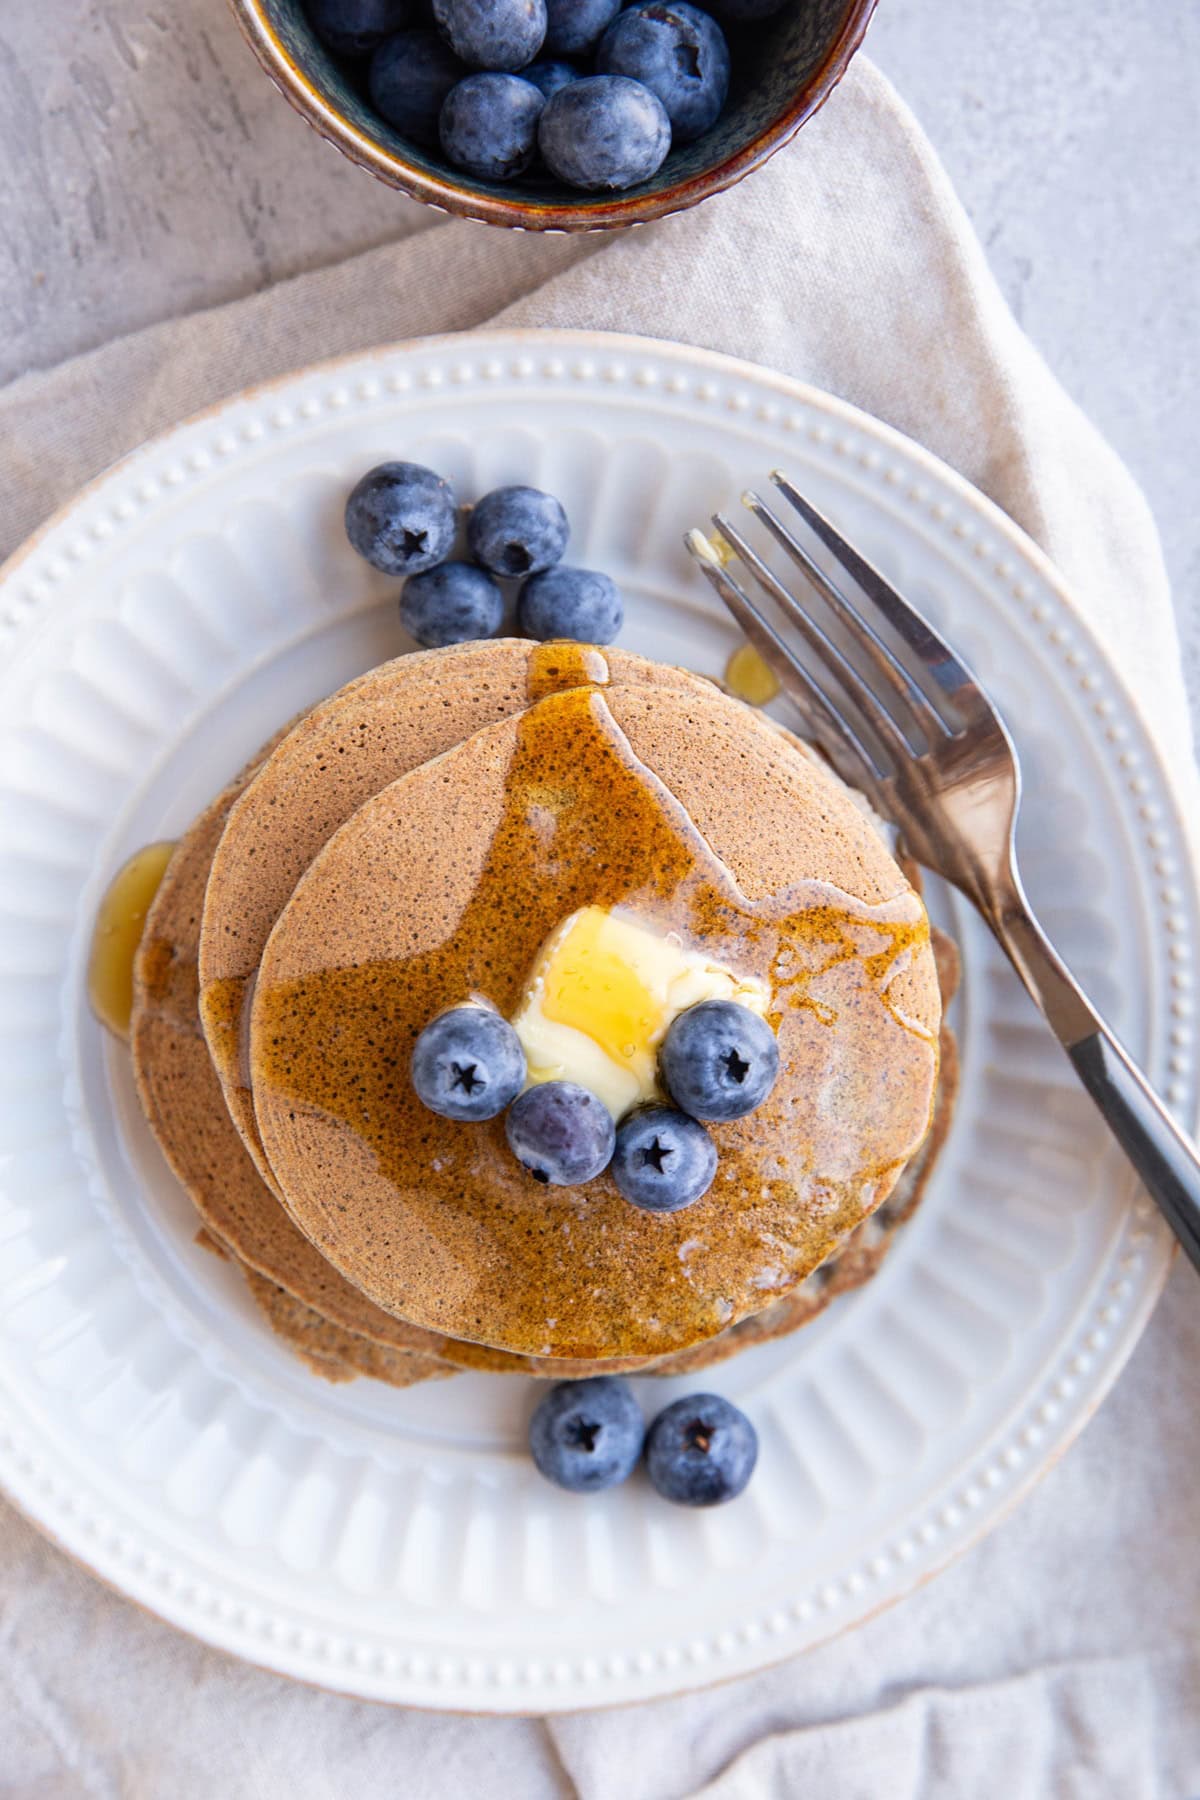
(601, 996)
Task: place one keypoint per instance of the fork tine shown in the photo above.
(952, 677)
(866, 705)
(852, 759)
(897, 677)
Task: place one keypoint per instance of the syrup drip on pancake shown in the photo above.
(560, 664)
(581, 1273)
(224, 1007)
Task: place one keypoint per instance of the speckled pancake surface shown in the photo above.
(185, 1108)
(449, 880)
(377, 728)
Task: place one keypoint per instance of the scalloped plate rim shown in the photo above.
(888, 438)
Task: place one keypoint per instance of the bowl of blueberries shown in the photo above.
(559, 115)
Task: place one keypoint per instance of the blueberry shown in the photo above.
(604, 132)
(548, 77)
(401, 517)
(576, 26)
(468, 1064)
(492, 34)
(587, 1435)
(571, 603)
(701, 1451)
(680, 54)
(719, 1060)
(663, 1160)
(409, 79)
(561, 1133)
(517, 530)
(356, 27)
(738, 11)
(489, 125)
(451, 605)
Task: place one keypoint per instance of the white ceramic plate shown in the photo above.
(399, 1545)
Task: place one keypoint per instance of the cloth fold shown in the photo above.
(1058, 1658)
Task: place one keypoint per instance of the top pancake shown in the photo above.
(377, 728)
(682, 807)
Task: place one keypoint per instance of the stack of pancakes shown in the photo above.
(328, 902)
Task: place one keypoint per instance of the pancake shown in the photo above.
(183, 1103)
(578, 801)
(381, 726)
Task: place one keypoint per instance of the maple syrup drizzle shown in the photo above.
(117, 934)
(562, 664)
(585, 822)
(225, 1003)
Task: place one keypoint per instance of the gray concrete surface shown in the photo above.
(149, 169)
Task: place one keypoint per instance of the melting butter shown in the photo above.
(602, 995)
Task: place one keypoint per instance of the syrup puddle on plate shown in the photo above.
(118, 932)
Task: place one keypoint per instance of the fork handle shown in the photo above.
(1163, 1157)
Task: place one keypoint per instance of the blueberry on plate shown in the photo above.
(701, 1451)
(561, 1133)
(604, 133)
(663, 1160)
(574, 27)
(401, 517)
(719, 1060)
(517, 530)
(489, 125)
(587, 1435)
(409, 79)
(356, 27)
(680, 54)
(571, 603)
(548, 77)
(468, 1064)
(492, 34)
(451, 605)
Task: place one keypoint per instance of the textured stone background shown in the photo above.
(149, 169)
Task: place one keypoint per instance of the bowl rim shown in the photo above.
(448, 196)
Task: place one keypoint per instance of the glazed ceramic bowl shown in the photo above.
(784, 68)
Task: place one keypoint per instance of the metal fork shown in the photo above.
(902, 718)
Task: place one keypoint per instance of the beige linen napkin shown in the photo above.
(1058, 1658)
